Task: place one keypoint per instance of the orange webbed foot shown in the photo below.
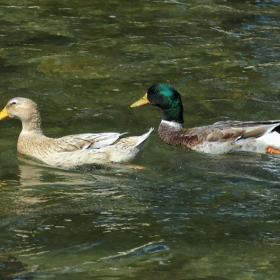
(272, 151)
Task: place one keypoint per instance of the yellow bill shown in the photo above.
(4, 114)
(141, 102)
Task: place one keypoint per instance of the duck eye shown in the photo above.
(13, 103)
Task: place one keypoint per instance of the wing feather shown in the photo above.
(86, 141)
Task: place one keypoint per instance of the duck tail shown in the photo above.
(144, 137)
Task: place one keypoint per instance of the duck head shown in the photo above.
(165, 97)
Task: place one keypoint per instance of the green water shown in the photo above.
(187, 215)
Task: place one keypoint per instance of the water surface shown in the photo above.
(186, 215)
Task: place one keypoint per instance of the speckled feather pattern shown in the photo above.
(222, 137)
(72, 150)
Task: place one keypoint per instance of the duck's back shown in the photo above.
(223, 137)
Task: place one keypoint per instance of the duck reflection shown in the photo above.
(34, 173)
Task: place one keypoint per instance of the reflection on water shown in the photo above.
(186, 215)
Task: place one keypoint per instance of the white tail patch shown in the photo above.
(144, 137)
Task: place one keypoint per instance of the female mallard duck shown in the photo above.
(219, 138)
(72, 150)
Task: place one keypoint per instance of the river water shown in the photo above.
(185, 215)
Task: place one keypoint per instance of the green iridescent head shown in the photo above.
(167, 98)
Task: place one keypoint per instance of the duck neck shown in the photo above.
(174, 114)
(33, 123)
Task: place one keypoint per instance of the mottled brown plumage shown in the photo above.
(72, 150)
(177, 136)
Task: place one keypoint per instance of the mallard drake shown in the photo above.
(220, 138)
(72, 150)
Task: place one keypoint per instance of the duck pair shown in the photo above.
(103, 148)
